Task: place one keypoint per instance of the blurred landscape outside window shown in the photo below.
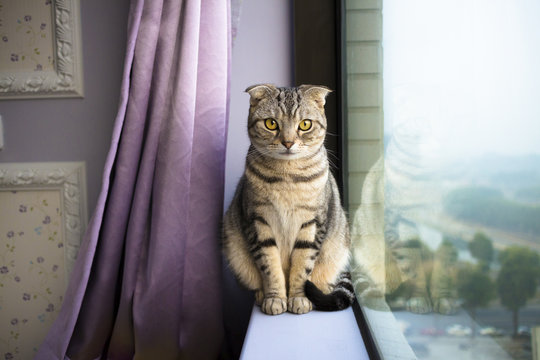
(445, 211)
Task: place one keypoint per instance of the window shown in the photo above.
(443, 174)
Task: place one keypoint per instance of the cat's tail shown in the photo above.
(340, 298)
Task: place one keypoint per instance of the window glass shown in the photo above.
(444, 188)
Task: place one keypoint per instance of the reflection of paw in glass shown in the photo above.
(419, 305)
(444, 306)
(374, 302)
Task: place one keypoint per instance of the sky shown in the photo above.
(462, 77)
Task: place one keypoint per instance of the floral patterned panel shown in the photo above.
(32, 276)
(26, 41)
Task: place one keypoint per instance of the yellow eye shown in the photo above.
(305, 125)
(271, 124)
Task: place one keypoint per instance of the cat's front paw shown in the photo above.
(299, 305)
(274, 305)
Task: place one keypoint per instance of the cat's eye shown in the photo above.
(305, 125)
(270, 124)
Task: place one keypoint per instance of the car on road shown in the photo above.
(491, 331)
(432, 331)
(458, 330)
(524, 331)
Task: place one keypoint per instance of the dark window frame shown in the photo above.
(320, 59)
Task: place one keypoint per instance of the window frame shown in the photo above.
(315, 27)
(323, 26)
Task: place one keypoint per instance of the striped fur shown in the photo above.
(285, 231)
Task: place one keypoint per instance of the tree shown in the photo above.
(517, 279)
(475, 288)
(443, 289)
(481, 248)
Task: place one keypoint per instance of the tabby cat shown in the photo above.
(285, 234)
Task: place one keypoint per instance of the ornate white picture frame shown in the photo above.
(40, 49)
(42, 222)
(69, 178)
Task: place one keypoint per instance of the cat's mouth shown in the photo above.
(288, 152)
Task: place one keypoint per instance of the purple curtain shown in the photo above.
(147, 281)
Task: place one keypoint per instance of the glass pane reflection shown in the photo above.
(447, 237)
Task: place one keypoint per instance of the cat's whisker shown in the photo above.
(331, 158)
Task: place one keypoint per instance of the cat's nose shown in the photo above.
(288, 144)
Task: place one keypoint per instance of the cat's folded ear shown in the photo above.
(316, 93)
(261, 91)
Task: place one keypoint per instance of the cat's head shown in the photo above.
(287, 123)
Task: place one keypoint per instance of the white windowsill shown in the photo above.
(316, 335)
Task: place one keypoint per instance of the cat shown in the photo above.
(285, 234)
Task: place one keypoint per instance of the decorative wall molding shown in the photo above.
(67, 177)
(66, 80)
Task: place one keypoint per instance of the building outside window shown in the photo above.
(443, 175)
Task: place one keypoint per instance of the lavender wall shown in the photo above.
(75, 129)
(262, 53)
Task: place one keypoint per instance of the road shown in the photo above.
(443, 346)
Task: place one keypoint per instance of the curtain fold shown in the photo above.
(147, 281)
